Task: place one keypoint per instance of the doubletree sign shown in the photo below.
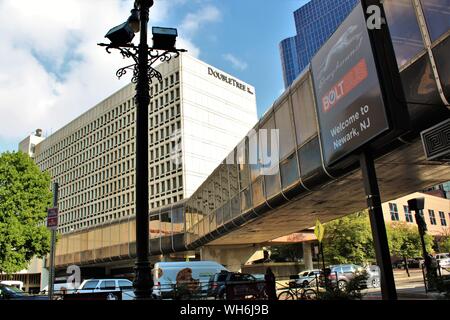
(350, 105)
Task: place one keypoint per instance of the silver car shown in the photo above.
(307, 278)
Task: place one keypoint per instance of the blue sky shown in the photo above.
(54, 71)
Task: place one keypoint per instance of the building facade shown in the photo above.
(315, 22)
(436, 213)
(196, 116)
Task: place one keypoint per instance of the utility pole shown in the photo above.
(52, 223)
(380, 240)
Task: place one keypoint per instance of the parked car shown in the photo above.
(121, 286)
(373, 276)
(306, 278)
(443, 259)
(13, 293)
(412, 263)
(191, 276)
(341, 274)
(218, 282)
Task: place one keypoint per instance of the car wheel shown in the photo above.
(376, 282)
(342, 285)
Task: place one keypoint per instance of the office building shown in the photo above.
(436, 213)
(315, 22)
(196, 116)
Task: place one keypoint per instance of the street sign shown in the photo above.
(350, 106)
(319, 230)
(52, 218)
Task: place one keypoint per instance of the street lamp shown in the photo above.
(143, 73)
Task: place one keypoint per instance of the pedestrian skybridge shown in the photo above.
(239, 204)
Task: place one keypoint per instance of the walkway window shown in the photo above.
(437, 15)
(442, 217)
(408, 214)
(394, 212)
(404, 29)
(242, 158)
(284, 124)
(224, 182)
(235, 206)
(246, 200)
(154, 226)
(269, 144)
(257, 192)
(254, 154)
(304, 113)
(289, 171)
(166, 224)
(432, 217)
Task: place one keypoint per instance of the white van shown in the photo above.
(193, 275)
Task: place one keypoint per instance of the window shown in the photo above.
(90, 285)
(394, 212)
(284, 124)
(442, 217)
(408, 214)
(125, 285)
(404, 29)
(432, 217)
(304, 113)
(108, 285)
(437, 15)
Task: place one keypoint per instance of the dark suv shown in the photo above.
(341, 274)
(218, 281)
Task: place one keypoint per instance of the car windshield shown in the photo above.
(13, 291)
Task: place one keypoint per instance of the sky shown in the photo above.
(51, 69)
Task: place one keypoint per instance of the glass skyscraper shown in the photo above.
(315, 22)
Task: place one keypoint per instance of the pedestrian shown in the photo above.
(271, 290)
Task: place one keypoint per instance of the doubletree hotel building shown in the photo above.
(196, 116)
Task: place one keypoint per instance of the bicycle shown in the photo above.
(297, 292)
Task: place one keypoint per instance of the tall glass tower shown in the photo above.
(315, 22)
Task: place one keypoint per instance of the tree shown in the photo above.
(404, 241)
(349, 240)
(444, 244)
(24, 198)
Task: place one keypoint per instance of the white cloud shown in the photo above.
(235, 62)
(193, 21)
(51, 69)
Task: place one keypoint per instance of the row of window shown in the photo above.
(158, 103)
(393, 210)
(72, 200)
(168, 114)
(168, 81)
(89, 129)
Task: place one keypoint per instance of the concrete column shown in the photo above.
(232, 257)
(307, 255)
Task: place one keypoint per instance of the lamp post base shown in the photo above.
(143, 282)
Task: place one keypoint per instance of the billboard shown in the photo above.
(349, 100)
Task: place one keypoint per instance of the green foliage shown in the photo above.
(24, 199)
(349, 240)
(404, 240)
(444, 244)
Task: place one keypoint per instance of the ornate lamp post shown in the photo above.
(143, 73)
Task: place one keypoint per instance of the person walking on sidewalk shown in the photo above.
(271, 289)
